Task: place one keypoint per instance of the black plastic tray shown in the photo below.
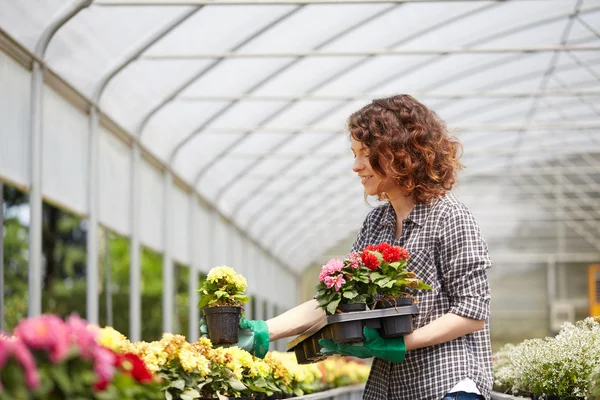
(348, 327)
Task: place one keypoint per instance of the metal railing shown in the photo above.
(354, 392)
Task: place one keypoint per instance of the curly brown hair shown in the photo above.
(409, 143)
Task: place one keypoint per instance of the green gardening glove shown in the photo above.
(253, 336)
(374, 346)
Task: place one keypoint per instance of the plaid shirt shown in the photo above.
(448, 252)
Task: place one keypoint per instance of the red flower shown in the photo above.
(404, 255)
(382, 247)
(370, 260)
(135, 366)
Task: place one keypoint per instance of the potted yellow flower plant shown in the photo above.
(222, 296)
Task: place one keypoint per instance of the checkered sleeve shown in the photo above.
(464, 261)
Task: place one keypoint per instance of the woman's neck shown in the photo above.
(401, 204)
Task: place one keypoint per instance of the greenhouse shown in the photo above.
(145, 142)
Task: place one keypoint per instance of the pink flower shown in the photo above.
(334, 265)
(104, 366)
(81, 335)
(335, 281)
(25, 358)
(355, 259)
(46, 332)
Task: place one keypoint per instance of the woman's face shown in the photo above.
(368, 177)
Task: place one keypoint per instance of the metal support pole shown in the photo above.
(92, 231)
(135, 303)
(560, 227)
(35, 189)
(550, 283)
(194, 268)
(108, 284)
(168, 269)
(1, 257)
(35, 194)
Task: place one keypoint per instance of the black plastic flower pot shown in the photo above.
(223, 324)
(347, 332)
(352, 307)
(300, 356)
(326, 333)
(392, 327)
(389, 303)
(310, 350)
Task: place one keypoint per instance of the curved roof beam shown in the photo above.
(371, 53)
(229, 148)
(523, 27)
(259, 2)
(461, 128)
(587, 26)
(327, 112)
(371, 96)
(198, 75)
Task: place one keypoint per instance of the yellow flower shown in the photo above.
(260, 369)
(221, 272)
(112, 339)
(240, 283)
(171, 344)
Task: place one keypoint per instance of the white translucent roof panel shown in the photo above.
(219, 29)
(247, 113)
(303, 113)
(26, 23)
(311, 26)
(399, 24)
(307, 75)
(198, 153)
(249, 103)
(235, 76)
(258, 144)
(85, 48)
(299, 143)
(176, 122)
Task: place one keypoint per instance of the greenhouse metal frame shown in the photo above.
(213, 131)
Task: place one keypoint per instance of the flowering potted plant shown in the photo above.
(344, 283)
(389, 275)
(48, 358)
(222, 296)
(377, 277)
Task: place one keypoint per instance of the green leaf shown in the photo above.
(189, 394)
(376, 275)
(394, 265)
(221, 397)
(236, 385)
(60, 376)
(331, 307)
(350, 295)
(178, 384)
(383, 282)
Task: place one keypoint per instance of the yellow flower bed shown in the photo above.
(197, 369)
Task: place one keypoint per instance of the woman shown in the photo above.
(405, 156)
